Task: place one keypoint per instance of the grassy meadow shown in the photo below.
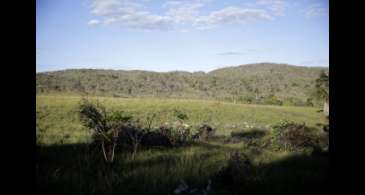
(66, 163)
(59, 115)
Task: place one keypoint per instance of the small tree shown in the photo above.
(135, 135)
(105, 126)
(322, 90)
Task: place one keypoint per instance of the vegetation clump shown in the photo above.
(205, 132)
(118, 129)
(105, 126)
(292, 136)
(178, 133)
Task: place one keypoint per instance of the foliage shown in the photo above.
(180, 115)
(178, 133)
(106, 127)
(322, 86)
(292, 136)
(245, 84)
(204, 132)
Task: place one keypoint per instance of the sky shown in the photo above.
(187, 35)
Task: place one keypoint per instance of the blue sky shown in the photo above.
(190, 35)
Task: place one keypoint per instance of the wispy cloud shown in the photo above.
(276, 6)
(230, 15)
(134, 14)
(93, 22)
(230, 53)
(183, 11)
(129, 14)
(315, 10)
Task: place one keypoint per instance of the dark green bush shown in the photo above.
(178, 133)
(292, 136)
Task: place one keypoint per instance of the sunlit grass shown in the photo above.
(61, 123)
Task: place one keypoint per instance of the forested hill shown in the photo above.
(254, 83)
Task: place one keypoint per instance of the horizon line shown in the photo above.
(206, 71)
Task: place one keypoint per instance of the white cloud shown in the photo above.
(104, 7)
(140, 20)
(182, 12)
(230, 53)
(315, 10)
(230, 15)
(128, 14)
(134, 14)
(276, 6)
(93, 22)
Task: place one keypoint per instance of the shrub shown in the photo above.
(178, 133)
(105, 127)
(156, 139)
(291, 136)
(205, 132)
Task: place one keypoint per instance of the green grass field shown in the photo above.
(66, 166)
(61, 123)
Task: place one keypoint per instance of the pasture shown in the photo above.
(66, 164)
(58, 115)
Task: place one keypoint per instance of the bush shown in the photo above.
(292, 136)
(178, 133)
(156, 139)
(126, 136)
(205, 132)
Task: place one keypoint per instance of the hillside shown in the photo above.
(266, 83)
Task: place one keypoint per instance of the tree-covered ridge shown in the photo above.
(266, 83)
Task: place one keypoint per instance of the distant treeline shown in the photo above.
(264, 83)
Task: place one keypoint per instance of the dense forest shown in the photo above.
(262, 83)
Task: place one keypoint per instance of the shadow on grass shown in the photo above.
(295, 174)
(251, 134)
(76, 169)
